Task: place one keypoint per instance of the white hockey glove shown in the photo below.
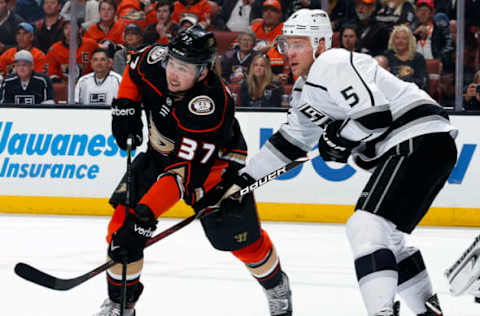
(463, 276)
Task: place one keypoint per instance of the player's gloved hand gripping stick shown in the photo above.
(36, 276)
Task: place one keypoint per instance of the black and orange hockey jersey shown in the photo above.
(7, 60)
(200, 8)
(115, 34)
(194, 135)
(58, 58)
(270, 35)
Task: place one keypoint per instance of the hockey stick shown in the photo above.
(128, 193)
(36, 276)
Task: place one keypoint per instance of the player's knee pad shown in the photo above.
(367, 233)
(234, 226)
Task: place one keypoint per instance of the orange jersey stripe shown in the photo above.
(162, 195)
(255, 252)
(128, 88)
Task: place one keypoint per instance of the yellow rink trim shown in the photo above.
(326, 213)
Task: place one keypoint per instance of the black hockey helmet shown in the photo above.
(194, 45)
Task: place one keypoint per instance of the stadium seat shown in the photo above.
(434, 70)
(60, 92)
(225, 40)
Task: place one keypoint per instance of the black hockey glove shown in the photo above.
(231, 180)
(332, 146)
(126, 120)
(129, 241)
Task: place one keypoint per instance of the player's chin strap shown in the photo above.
(463, 276)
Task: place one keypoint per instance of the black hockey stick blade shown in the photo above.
(36, 276)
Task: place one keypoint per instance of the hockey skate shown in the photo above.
(433, 307)
(280, 298)
(110, 308)
(394, 311)
(464, 275)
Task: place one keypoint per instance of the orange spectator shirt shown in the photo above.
(128, 12)
(7, 60)
(115, 34)
(269, 36)
(202, 9)
(58, 54)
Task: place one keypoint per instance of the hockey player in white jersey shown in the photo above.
(350, 106)
(101, 85)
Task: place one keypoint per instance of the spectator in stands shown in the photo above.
(58, 55)
(234, 16)
(133, 40)
(404, 61)
(434, 40)
(26, 86)
(287, 7)
(200, 8)
(87, 13)
(349, 37)
(270, 27)
(395, 12)
(9, 22)
(29, 10)
(107, 28)
(342, 12)
(260, 90)
(382, 62)
(25, 39)
(101, 85)
(49, 29)
(373, 34)
(161, 31)
(140, 12)
(471, 98)
(235, 62)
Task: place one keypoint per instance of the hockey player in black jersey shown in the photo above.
(194, 142)
(348, 105)
(26, 86)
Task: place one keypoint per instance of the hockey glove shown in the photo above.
(332, 146)
(231, 182)
(129, 241)
(126, 120)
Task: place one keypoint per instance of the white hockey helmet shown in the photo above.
(314, 24)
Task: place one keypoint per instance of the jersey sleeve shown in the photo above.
(352, 96)
(54, 70)
(129, 85)
(294, 139)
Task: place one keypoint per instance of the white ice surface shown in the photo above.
(184, 276)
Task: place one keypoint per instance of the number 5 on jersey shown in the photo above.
(188, 150)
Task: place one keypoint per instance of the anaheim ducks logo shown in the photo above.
(156, 54)
(201, 105)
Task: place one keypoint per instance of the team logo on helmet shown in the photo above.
(201, 105)
(156, 54)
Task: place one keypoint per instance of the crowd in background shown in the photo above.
(415, 40)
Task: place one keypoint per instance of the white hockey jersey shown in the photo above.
(378, 109)
(91, 90)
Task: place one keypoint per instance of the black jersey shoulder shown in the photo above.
(207, 107)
